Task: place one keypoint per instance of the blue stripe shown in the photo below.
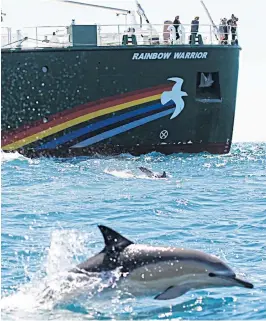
(103, 123)
(122, 129)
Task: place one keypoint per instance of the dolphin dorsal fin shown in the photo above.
(113, 240)
(163, 174)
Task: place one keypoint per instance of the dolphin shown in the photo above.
(151, 174)
(164, 272)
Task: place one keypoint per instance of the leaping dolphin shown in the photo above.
(151, 174)
(164, 272)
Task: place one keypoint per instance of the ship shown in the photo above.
(96, 89)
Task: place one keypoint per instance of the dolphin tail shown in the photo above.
(166, 97)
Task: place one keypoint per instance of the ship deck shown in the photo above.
(108, 36)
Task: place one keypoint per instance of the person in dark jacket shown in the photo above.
(176, 24)
(233, 24)
(194, 30)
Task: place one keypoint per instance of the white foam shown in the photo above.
(5, 157)
(60, 286)
(120, 174)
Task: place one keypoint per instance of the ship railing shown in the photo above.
(35, 37)
(157, 35)
(109, 35)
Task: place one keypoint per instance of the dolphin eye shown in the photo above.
(212, 275)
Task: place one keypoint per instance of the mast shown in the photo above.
(209, 16)
(118, 10)
(127, 13)
(141, 12)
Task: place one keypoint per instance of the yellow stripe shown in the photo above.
(75, 121)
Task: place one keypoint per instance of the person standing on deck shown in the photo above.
(233, 24)
(176, 24)
(224, 30)
(194, 30)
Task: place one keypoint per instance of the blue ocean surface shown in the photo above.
(51, 209)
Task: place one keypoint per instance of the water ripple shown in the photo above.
(51, 207)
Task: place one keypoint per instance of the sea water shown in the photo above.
(51, 209)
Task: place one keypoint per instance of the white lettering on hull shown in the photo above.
(170, 55)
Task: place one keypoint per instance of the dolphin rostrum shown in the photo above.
(164, 272)
(151, 174)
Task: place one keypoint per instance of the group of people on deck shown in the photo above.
(225, 27)
(176, 26)
(194, 26)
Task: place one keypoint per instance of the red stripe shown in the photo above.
(56, 119)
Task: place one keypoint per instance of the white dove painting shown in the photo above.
(175, 95)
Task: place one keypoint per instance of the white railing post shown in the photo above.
(99, 32)
(9, 35)
(36, 35)
(19, 37)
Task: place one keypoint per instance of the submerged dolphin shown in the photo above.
(164, 272)
(151, 174)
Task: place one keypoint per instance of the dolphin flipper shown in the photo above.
(171, 293)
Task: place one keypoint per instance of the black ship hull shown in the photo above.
(111, 100)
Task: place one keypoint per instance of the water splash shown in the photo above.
(129, 174)
(66, 246)
(120, 174)
(59, 288)
(7, 157)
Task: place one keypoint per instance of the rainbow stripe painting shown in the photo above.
(120, 108)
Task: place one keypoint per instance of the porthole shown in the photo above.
(44, 69)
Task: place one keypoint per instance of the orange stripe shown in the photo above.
(78, 120)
